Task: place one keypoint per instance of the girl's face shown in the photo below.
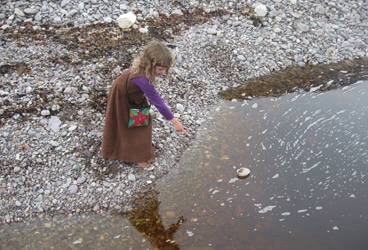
(159, 70)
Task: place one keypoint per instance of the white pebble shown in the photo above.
(72, 128)
(18, 12)
(143, 30)
(261, 10)
(180, 107)
(126, 20)
(54, 143)
(30, 11)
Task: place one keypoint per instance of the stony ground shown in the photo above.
(58, 61)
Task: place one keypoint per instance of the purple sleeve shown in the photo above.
(151, 93)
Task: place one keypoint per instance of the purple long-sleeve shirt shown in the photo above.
(154, 97)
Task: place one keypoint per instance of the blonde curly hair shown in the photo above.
(154, 54)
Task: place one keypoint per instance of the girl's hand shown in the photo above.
(178, 126)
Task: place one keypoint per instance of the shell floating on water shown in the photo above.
(126, 20)
(243, 172)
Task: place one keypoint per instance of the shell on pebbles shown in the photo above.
(243, 172)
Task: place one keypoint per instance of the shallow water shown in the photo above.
(308, 158)
(307, 153)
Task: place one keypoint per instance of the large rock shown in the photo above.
(261, 10)
(126, 20)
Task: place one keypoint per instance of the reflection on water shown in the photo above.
(307, 153)
(146, 219)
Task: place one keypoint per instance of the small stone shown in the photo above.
(123, 7)
(96, 208)
(45, 112)
(57, 19)
(81, 179)
(64, 3)
(77, 167)
(30, 11)
(54, 124)
(155, 14)
(302, 27)
(212, 31)
(108, 19)
(76, 242)
(143, 30)
(18, 12)
(18, 204)
(73, 189)
(38, 17)
(54, 143)
(16, 169)
(236, 23)
(72, 128)
(131, 177)
(17, 157)
(298, 58)
(241, 58)
(277, 30)
(320, 10)
(91, 19)
(180, 107)
(68, 90)
(177, 12)
(72, 12)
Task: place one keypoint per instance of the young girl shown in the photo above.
(135, 144)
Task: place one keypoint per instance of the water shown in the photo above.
(307, 153)
(308, 158)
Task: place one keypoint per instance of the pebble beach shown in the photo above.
(54, 79)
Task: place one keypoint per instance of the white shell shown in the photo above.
(243, 172)
(126, 20)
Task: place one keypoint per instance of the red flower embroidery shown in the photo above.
(140, 118)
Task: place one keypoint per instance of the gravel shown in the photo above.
(52, 95)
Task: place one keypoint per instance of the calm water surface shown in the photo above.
(308, 187)
(307, 153)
